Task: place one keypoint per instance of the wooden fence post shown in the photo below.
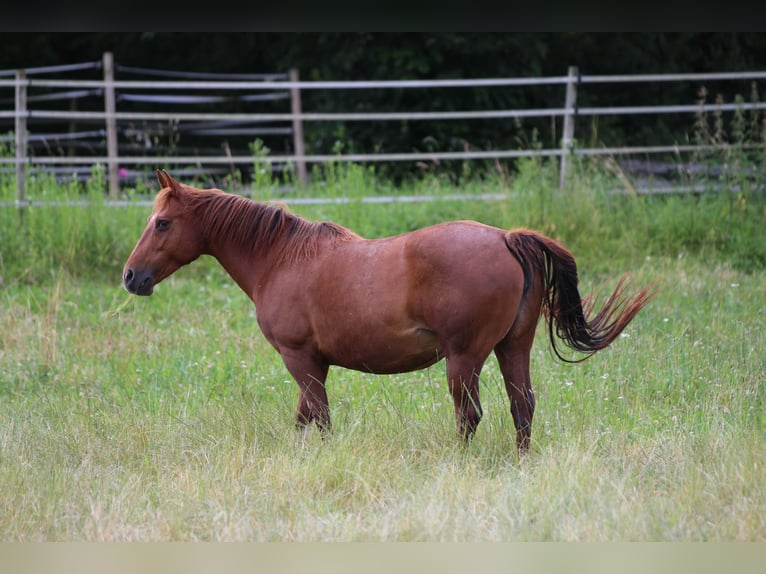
(110, 107)
(298, 144)
(21, 138)
(567, 138)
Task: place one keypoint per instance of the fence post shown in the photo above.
(567, 138)
(21, 138)
(295, 105)
(110, 107)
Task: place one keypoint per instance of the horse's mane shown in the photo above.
(247, 224)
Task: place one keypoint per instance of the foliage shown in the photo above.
(396, 56)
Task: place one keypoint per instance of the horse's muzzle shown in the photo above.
(138, 282)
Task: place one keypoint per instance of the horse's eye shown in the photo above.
(162, 224)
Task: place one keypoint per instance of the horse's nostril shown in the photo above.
(128, 277)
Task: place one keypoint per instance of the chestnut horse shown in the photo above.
(326, 296)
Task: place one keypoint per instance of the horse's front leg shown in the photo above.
(310, 374)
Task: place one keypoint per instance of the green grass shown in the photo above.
(171, 418)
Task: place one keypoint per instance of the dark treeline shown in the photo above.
(365, 56)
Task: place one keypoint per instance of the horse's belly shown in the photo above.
(386, 353)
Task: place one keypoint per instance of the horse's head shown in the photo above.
(169, 241)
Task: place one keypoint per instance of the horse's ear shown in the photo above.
(166, 180)
(161, 177)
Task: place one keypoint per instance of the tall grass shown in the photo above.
(71, 231)
(597, 224)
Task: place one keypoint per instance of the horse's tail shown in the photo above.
(562, 303)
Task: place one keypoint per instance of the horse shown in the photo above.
(325, 296)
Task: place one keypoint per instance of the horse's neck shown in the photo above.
(267, 240)
(243, 266)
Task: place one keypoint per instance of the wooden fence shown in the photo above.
(115, 124)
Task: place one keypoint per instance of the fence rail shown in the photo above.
(112, 122)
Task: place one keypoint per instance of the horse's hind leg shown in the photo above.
(463, 378)
(513, 357)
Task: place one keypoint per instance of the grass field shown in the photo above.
(170, 417)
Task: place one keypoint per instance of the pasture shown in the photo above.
(170, 418)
